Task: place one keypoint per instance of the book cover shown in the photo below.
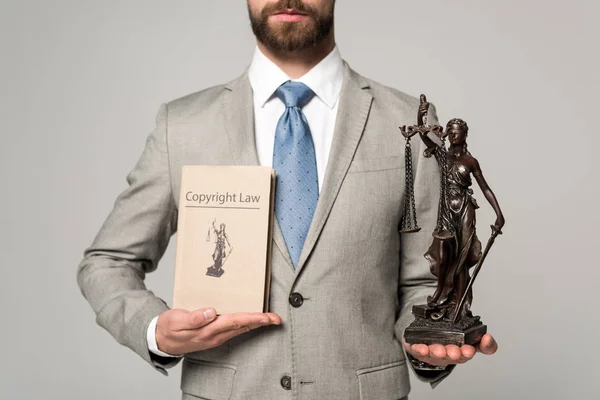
(224, 238)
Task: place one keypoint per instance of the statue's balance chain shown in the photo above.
(409, 215)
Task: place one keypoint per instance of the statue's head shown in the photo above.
(222, 227)
(457, 131)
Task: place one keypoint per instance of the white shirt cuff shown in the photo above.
(151, 339)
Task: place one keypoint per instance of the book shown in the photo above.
(224, 240)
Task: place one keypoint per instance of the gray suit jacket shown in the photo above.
(358, 277)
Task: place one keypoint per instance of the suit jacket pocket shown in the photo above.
(384, 382)
(376, 164)
(207, 380)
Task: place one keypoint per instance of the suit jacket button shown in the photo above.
(296, 300)
(286, 382)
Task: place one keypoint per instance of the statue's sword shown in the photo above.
(226, 257)
(490, 242)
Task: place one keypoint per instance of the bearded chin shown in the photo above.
(291, 36)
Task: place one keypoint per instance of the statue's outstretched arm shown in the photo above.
(427, 140)
(489, 195)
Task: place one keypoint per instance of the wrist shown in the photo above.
(152, 342)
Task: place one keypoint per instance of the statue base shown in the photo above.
(432, 326)
(212, 271)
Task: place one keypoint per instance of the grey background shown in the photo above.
(80, 84)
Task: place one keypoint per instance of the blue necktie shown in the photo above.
(297, 188)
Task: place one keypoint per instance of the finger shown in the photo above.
(218, 338)
(437, 351)
(488, 345)
(453, 352)
(192, 319)
(235, 321)
(275, 318)
(421, 350)
(467, 351)
(223, 337)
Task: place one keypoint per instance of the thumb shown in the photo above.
(197, 318)
(488, 344)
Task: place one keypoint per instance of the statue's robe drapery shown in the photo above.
(455, 247)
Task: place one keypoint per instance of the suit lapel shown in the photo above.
(353, 111)
(238, 111)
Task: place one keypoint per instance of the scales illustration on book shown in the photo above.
(222, 249)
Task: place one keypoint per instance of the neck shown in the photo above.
(457, 149)
(297, 63)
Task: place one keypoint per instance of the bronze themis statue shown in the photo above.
(455, 249)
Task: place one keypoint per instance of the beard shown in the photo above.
(291, 36)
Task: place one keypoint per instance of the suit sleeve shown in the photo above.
(416, 280)
(130, 244)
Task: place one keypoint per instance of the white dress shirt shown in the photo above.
(325, 79)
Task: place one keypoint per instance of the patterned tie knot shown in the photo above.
(294, 94)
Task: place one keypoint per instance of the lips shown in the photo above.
(289, 11)
(289, 15)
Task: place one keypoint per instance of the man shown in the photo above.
(343, 282)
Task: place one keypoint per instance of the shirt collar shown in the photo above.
(325, 78)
